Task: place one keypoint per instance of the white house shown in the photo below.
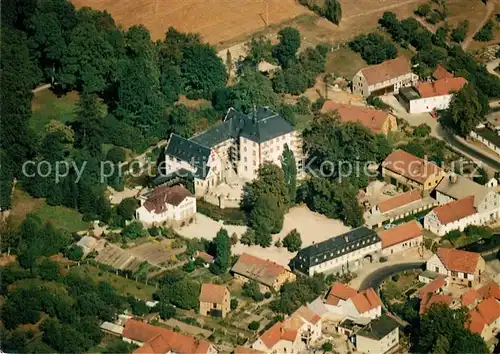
(456, 215)
(378, 337)
(342, 253)
(347, 302)
(458, 266)
(173, 205)
(401, 237)
(432, 96)
(293, 335)
(486, 198)
(387, 77)
(488, 137)
(239, 145)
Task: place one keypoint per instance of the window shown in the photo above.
(246, 168)
(245, 159)
(245, 149)
(436, 269)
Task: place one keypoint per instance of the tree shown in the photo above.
(229, 61)
(248, 237)
(126, 208)
(251, 289)
(289, 166)
(253, 326)
(481, 176)
(289, 42)
(119, 346)
(222, 245)
(333, 11)
(485, 34)
(253, 89)
(327, 347)
(459, 33)
(166, 311)
(292, 241)
(259, 49)
(464, 112)
(374, 48)
(88, 125)
(234, 304)
(423, 10)
(422, 130)
(134, 230)
(48, 270)
(265, 218)
(234, 239)
(116, 155)
(139, 307)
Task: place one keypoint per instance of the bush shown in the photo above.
(452, 235)
(423, 10)
(327, 347)
(167, 311)
(374, 48)
(292, 241)
(234, 239)
(382, 259)
(395, 278)
(189, 267)
(234, 304)
(377, 102)
(480, 231)
(74, 253)
(134, 230)
(423, 130)
(116, 155)
(154, 231)
(253, 326)
(486, 32)
(267, 294)
(458, 34)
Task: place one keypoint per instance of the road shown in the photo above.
(377, 277)
(492, 65)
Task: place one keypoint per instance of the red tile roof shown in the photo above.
(161, 340)
(410, 166)
(213, 293)
(372, 119)
(489, 309)
(458, 260)
(363, 301)
(470, 297)
(166, 195)
(261, 270)
(400, 233)
(476, 322)
(340, 291)
(307, 314)
(276, 333)
(245, 350)
(440, 87)
(399, 200)
(432, 287)
(492, 289)
(441, 73)
(389, 69)
(430, 298)
(456, 210)
(205, 256)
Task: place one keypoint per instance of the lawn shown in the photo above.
(396, 289)
(303, 121)
(344, 62)
(47, 106)
(123, 285)
(61, 217)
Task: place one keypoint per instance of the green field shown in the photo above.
(123, 285)
(46, 106)
(61, 217)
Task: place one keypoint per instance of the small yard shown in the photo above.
(123, 285)
(47, 106)
(344, 62)
(400, 286)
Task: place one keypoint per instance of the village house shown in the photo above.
(157, 340)
(245, 350)
(485, 318)
(456, 215)
(399, 207)
(428, 299)
(441, 73)
(341, 254)
(174, 205)
(377, 121)
(401, 237)
(380, 336)
(460, 267)
(403, 168)
(238, 146)
(215, 300)
(486, 199)
(205, 257)
(347, 302)
(269, 275)
(387, 77)
(431, 96)
(435, 286)
(470, 298)
(487, 136)
(292, 335)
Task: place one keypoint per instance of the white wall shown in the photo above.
(488, 144)
(434, 264)
(430, 104)
(432, 223)
(176, 213)
(400, 247)
(368, 345)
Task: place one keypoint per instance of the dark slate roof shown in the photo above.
(379, 328)
(332, 248)
(490, 135)
(260, 125)
(190, 151)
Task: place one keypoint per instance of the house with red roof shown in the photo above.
(215, 300)
(456, 215)
(431, 298)
(491, 289)
(401, 237)
(433, 95)
(377, 121)
(174, 205)
(460, 267)
(157, 340)
(471, 298)
(347, 302)
(484, 319)
(387, 77)
(292, 335)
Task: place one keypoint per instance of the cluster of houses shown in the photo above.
(456, 279)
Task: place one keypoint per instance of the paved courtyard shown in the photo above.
(312, 226)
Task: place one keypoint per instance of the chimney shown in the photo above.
(346, 238)
(453, 178)
(425, 160)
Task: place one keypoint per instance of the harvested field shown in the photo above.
(215, 20)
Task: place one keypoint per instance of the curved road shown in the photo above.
(459, 145)
(376, 278)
